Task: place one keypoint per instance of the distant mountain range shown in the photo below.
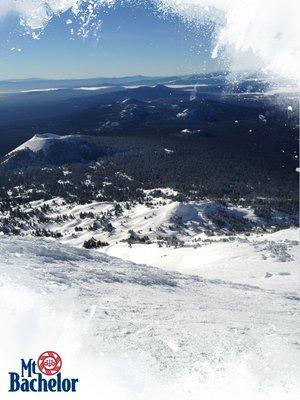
(245, 82)
(35, 83)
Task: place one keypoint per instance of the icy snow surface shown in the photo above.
(129, 331)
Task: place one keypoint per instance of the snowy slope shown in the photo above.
(158, 218)
(129, 331)
(50, 149)
(40, 142)
(267, 261)
(185, 237)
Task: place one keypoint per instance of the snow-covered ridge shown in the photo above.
(50, 149)
(40, 142)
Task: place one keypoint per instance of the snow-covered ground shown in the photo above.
(180, 236)
(131, 331)
(268, 261)
(189, 309)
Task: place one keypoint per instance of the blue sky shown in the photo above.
(132, 40)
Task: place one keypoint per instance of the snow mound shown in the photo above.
(186, 212)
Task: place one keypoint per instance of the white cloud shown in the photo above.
(265, 31)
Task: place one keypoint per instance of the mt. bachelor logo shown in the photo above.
(49, 363)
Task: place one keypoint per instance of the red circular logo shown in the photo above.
(49, 363)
